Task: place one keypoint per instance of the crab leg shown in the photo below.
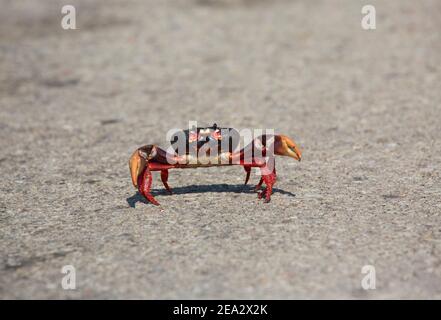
(269, 180)
(259, 185)
(164, 178)
(247, 168)
(248, 171)
(247, 178)
(144, 185)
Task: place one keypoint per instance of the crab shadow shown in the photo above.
(218, 188)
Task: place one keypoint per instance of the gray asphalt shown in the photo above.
(365, 107)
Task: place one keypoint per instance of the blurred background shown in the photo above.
(364, 106)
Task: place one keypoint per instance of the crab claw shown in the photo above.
(140, 171)
(139, 160)
(284, 146)
(136, 165)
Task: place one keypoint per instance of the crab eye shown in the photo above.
(216, 135)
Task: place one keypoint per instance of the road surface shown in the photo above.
(364, 106)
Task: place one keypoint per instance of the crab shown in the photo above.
(259, 153)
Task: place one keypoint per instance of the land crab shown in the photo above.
(205, 147)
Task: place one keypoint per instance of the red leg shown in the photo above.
(259, 185)
(247, 178)
(269, 180)
(144, 184)
(248, 171)
(164, 178)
